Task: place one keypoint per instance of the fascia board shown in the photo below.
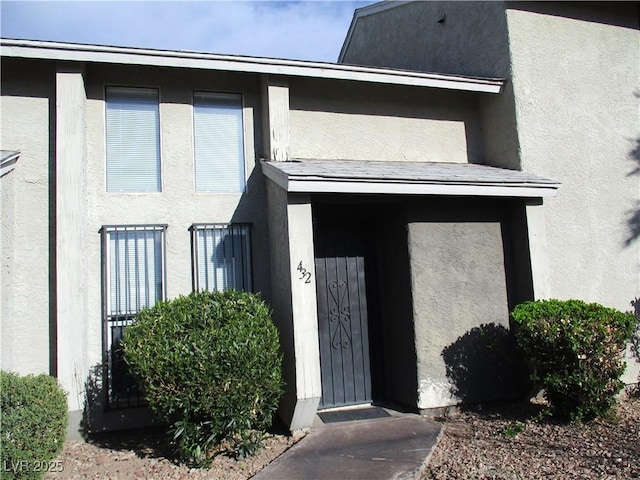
(8, 163)
(312, 184)
(277, 176)
(205, 61)
(476, 190)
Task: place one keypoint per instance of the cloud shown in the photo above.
(296, 30)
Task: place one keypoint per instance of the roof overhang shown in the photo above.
(207, 61)
(405, 178)
(8, 160)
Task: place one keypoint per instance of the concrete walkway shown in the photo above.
(395, 447)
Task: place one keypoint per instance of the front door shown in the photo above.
(342, 315)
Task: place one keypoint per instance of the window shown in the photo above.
(133, 276)
(221, 257)
(218, 143)
(133, 140)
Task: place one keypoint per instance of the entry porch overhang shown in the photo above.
(406, 178)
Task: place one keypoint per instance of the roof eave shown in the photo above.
(8, 162)
(315, 184)
(206, 61)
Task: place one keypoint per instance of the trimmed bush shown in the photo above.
(575, 349)
(210, 366)
(34, 425)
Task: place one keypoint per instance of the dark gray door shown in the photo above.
(342, 316)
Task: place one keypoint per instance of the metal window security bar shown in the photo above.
(221, 256)
(133, 278)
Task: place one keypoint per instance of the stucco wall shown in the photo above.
(464, 38)
(569, 112)
(177, 206)
(294, 304)
(27, 89)
(70, 210)
(576, 79)
(348, 121)
(281, 299)
(24, 197)
(460, 305)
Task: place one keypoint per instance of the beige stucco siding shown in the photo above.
(336, 120)
(178, 205)
(466, 38)
(576, 82)
(463, 38)
(28, 126)
(458, 283)
(24, 197)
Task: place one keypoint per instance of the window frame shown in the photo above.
(160, 179)
(195, 263)
(243, 168)
(121, 320)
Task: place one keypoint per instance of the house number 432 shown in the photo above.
(305, 275)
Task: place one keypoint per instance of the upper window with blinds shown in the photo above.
(218, 143)
(133, 140)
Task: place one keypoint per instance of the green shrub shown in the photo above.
(575, 350)
(210, 366)
(34, 424)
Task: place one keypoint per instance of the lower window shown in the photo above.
(133, 278)
(221, 257)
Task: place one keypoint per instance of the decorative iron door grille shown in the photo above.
(342, 316)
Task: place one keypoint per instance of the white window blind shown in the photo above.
(221, 257)
(133, 140)
(135, 269)
(218, 143)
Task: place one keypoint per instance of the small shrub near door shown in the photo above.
(210, 366)
(575, 350)
(33, 419)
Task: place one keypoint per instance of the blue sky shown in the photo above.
(302, 30)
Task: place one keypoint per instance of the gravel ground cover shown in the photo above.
(504, 444)
(500, 443)
(147, 455)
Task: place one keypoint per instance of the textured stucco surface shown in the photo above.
(576, 83)
(177, 205)
(28, 127)
(458, 280)
(304, 310)
(71, 235)
(24, 200)
(464, 38)
(570, 111)
(281, 298)
(294, 304)
(338, 120)
(442, 37)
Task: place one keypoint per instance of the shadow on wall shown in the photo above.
(106, 428)
(485, 365)
(633, 222)
(98, 416)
